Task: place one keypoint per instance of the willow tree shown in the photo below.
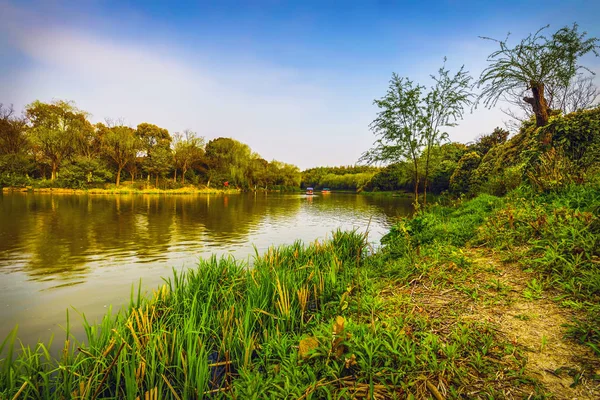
(535, 64)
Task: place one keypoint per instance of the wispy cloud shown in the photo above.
(273, 109)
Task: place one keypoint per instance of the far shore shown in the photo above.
(122, 190)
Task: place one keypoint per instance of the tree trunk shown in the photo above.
(132, 176)
(538, 103)
(426, 178)
(119, 176)
(175, 176)
(183, 171)
(416, 181)
(54, 169)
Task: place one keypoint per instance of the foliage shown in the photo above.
(410, 119)
(304, 321)
(339, 178)
(535, 64)
(55, 130)
(578, 135)
(188, 151)
(121, 145)
(560, 232)
(461, 180)
(400, 126)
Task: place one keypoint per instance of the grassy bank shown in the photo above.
(335, 320)
(124, 190)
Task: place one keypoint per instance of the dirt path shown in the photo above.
(519, 310)
(515, 303)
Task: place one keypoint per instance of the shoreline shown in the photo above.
(461, 304)
(185, 190)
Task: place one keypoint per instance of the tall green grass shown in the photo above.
(201, 329)
(303, 322)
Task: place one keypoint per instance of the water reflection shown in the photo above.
(87, 250)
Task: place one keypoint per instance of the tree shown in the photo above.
(152, 136)
(14, 143)
(227, 159)
(580, 94)
(56, 129)
(188, 149)
(484, 143)
(154, 140)
(121, 145)
(460, 181)
(159, 163)
(444, 105)
(399, 125)
(535, 64)
(411, 119)
(13, 138)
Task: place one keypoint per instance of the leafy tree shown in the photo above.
(443, 106)
(154, 139)
(400, 126)
(485, 142)
(227, 159)
(56, 129)
(188, 149)
(152, 136)
(14, 143)
(13, 135)
(259, 176)
(121, 145)
(580, 94)
(159, 163)
(536, 63)
(460, 181)
(411, 119)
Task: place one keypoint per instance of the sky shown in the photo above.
(293, 80)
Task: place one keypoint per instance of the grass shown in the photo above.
(304, 322)
(126, 190)
(336, 320)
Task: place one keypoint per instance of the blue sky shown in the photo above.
(294, 80)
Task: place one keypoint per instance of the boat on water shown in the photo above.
(309, 191)
(326, 190)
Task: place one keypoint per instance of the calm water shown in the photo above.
(84, 252)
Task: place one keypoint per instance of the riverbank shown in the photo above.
(467, 300)
(124, 190)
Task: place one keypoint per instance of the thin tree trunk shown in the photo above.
(426, 178)
(416, 183)
(183, 175)
(175, 176)
(119, 175)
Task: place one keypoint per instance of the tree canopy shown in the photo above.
(538, 63)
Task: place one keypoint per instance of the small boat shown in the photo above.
(309, 191)
(326, 191)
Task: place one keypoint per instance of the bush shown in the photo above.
(461, 180)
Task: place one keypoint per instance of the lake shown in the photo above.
(84, 252)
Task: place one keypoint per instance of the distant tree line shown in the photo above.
(351, 178)
(55, 144)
